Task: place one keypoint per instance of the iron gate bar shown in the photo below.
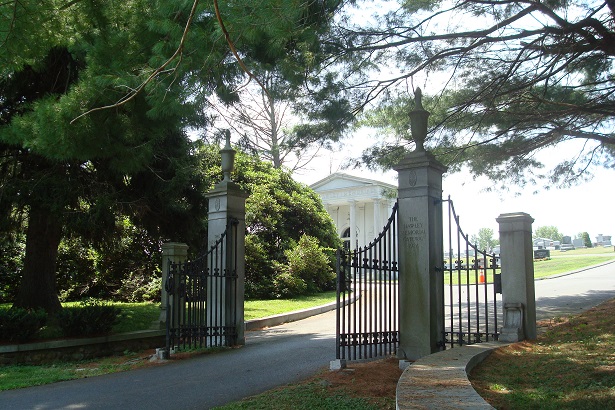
(475, 327)
(193, 322)
(367, 273)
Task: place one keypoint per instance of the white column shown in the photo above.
(362, 232)
(353, 224)
(378, 225)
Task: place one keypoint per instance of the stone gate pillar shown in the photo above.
(172, 252)
(228, 201)
(421, 252)
(517, 262)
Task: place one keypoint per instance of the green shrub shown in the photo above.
(20, 325)
(91, 318)
(286, 284)
(139, 287)
(12, 249)
(308, 261)
(307, 270)
(260, 270)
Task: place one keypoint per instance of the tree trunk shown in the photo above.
(38, 283)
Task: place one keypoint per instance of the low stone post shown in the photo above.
(517, 262)
(172, 252)
(421, 251)
(227, 201)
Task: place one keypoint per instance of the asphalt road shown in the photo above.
(271, 357)
(574, 293)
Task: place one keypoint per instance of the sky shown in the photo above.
(588, 207)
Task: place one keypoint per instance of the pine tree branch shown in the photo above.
(178, 53)
(234, 49)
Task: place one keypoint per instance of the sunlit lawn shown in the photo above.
(568, 367)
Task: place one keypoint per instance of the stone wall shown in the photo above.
(80, 349)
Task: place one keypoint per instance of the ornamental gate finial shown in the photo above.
(418, 121)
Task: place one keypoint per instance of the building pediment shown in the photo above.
(344, 187)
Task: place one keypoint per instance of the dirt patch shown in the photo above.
(371, 380)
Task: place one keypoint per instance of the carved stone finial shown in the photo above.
(418, 121)
(228, 157)
(418, 96)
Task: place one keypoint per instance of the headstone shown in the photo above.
(542, 254)
(566, 240)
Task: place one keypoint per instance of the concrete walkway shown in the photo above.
(440, 380)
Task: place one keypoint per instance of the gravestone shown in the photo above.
(542, 254)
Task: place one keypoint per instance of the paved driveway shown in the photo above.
(271, 358)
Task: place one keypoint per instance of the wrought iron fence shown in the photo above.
(367, 323)
(472, 282)
(201, 296)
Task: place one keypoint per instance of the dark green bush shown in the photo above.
(91, 318)
(12, 248)
(307, 271)
(20, 325)
(139, 287)
(288, 285)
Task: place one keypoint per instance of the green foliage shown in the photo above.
(126, 268)
(291, 107)
(139, 287)
(307, 270)
(20, 325)
(12, 248)
(549, 232)
(309, 262)
(91, 318)
(286, 284)
(586, 240)
(86, 174)
(485, 240)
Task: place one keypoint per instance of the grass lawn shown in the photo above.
(19, 376)
(140, 316)
(562, 262)
(570, 366)
(256, 309)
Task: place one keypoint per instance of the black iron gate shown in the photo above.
(201, 296)
(472, 283)
(368, 297)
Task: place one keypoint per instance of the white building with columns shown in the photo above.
(360, 207)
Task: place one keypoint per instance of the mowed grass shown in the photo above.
(256, 309)
(570, 366)
(560, 262)
(312, 396)
(563, 262)
(20, 376)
